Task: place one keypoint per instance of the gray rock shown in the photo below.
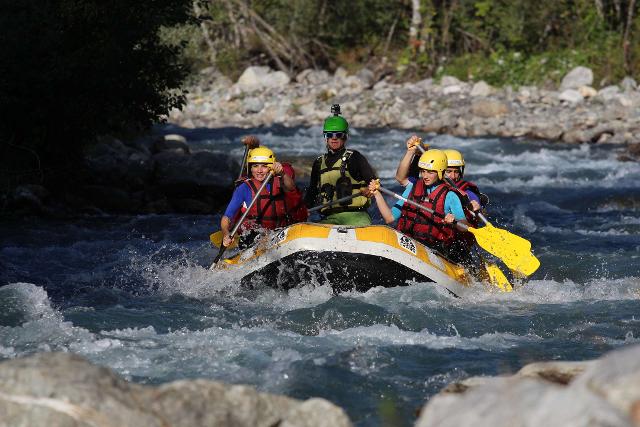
(608, 93)
(252, 105)
(489, 108)
(628, 84)
(366, 76)
(615, 377)
(60, 389)
(579, 76)
(313, 77)
(481, 89)
(252, 77)
(195, 175)
(449, 81)
(172, 142)
(571, 96)
(520, 402)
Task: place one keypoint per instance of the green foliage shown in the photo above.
(75, 69)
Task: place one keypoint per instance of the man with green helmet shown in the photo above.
(340, 173)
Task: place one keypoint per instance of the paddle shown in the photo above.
(216, 240)
(511, 249)
(333, 202)
(244, 162)
(241, 220)
(521, 257)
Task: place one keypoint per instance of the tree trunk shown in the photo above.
(625, 41)
(416, 22)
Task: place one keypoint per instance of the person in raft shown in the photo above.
(294, 201)
(269, 211)
(340, 173)
(437, 229)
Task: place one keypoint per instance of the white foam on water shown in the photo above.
(382, 335)
(553, 292)
(44, 328)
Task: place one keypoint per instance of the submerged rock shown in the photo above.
(61, 389)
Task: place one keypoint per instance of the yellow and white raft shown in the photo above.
(348, 258)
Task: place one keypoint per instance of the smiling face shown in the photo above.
(429, 177)
(259, 171)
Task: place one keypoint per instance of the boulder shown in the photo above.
(587, 91)
(252, 77)
(192, 176)
(628, 84)
(61, 389)
(579, 76)
(171, 142)
(482, 89)
(601, 392)
(571, 96)
(313, 77)
(449, 81)
(608, 92)
(489, 108)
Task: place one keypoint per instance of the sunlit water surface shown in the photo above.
(135, 294)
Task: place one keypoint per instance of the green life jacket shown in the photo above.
(336, 182)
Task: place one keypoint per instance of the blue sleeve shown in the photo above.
(241, 194)
(396, 210)
(453, 206)
(473, 196)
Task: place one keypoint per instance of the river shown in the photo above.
(134, 293)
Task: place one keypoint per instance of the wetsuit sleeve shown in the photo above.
(311, 194)
(360, 169)
(396, 210)
(453, 206)
(240, 194)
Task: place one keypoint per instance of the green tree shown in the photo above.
(75, 69)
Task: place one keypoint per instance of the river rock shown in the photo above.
(579, 76)
(60, 389)
(313, 77)
(171, 142)
(604, 392)
(489, 108)
(572, 96)
(482, 89)
(628, 84)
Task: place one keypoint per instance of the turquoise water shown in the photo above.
(134, 292)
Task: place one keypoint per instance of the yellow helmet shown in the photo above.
(433, 160)
(455, 159)
(261, 155)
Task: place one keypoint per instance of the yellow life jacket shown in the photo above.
(336, 182)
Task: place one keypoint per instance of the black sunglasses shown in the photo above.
(339, 135)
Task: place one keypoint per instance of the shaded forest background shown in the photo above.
(74, 70)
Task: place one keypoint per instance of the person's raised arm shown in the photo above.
(380, 201)
(287, 182)
(402, 173)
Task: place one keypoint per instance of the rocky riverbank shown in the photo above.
(574, 113)
(603, 392)
(61, 389)
(64, 389)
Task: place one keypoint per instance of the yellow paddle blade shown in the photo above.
(513, 250)
(497, 278)
(216, 240)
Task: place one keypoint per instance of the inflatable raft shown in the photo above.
(348, 258)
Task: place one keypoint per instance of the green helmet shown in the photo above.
(335, 124)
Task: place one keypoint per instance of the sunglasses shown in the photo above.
(339, 135)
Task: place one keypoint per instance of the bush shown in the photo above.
(72, 70)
